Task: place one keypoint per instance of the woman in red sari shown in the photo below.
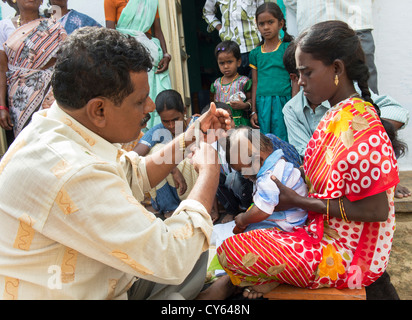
(351, 171)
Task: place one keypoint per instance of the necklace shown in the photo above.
(19, 21)
(230, 84)
(277, 47)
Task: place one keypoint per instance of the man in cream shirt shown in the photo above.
(71, 222)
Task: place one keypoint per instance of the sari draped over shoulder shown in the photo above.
(350, 155)
(29, 49)
(136, 19)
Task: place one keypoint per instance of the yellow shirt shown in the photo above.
(71, 222)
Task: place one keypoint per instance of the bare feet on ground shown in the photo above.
(402, 192)
(258, 291)
(221, 289)
(227, 218)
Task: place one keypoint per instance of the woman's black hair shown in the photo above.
(331, 40)
(289, 59)
(228, 46)
(275, 11)
(169, 100)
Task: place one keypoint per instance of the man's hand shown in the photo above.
(217, 121)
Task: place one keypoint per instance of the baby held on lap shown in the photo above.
(264, 160)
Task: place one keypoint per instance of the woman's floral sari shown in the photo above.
(349, 155)
(29, 49)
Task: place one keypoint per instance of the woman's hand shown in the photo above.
(5, 120)
(287, 196)
(179, 180)
(163, 64)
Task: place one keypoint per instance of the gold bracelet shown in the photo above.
(182, 142)
(342, 210)
(327, 211)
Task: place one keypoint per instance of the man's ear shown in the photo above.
(96, 110)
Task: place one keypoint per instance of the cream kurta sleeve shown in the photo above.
(105, 222)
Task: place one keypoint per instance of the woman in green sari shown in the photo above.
(136, 20)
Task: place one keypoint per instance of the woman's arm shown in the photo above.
(370, 209)
(158, 33)
(5, 120)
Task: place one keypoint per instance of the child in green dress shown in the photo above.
(271, 87)
(232, 88)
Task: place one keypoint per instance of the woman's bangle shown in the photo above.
(167, 55)
(327, 211)
(252, 114)
(4, 108)
(342, 210)
(182, 142)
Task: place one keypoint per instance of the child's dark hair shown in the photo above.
(259, 140)
(169, 100)
(228, 46)
(331, 40)
(275, 11)
(289, 59)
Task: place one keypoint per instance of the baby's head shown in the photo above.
(247, 150)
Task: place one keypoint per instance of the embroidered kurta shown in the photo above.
(71, 222)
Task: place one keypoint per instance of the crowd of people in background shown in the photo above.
(326, 173)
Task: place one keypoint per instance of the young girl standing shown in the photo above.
(232, 88)
(271, 87)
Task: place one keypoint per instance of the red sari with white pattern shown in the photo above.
(350, 155)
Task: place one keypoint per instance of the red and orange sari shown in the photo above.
(350, 155)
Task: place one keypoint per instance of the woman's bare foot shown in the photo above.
(227, 218)
(214, 215)
(402, 192)
(258, 291)
(221, 289)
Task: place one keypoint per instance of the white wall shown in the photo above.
(393, 51)
(394, 59)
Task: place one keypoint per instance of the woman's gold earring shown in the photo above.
(14, 1)
(336, 80)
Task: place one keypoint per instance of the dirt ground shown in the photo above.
(400, 261)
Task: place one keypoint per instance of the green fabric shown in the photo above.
(273, 79)
(270, 115)
(136, 19)
(138, 15)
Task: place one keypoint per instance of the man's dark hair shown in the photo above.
(96, 62)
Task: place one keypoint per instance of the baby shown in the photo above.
(264, 159)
